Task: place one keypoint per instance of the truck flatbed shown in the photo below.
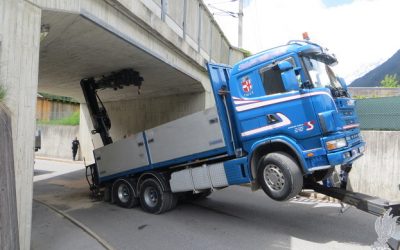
(182, 141)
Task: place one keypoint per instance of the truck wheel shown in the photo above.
(279, 176)
(124, 193)
(153, 199)
(173, 201)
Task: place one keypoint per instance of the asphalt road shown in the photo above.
(232, 218)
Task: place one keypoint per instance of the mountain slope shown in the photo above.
(375, 76)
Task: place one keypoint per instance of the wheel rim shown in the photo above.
(273, 177)
(151, 196)
(123, 193)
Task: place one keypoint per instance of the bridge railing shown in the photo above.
(193, 22)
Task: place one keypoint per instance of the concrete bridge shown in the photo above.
(49, 45)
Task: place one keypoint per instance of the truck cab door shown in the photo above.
(219, 78)
(268, 103)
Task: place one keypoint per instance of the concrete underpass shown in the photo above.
(77, 48)
(49, 46)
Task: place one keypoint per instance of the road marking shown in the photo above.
(316, 203)
(87, 230)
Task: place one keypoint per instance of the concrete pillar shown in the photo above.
(19, 61)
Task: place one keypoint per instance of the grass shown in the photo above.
(72, 120)
(2, 93)
(246, 53)
(360, 97)
(57, 98)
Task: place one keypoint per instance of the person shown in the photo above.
(75, 146)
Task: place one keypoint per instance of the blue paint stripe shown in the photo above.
(125, 173)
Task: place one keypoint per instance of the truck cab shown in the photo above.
(293, 117)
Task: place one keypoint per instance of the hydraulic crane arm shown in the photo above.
(101, 121)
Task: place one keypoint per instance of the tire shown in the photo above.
(279, 176)
(124, 193)
(153, 199)
(173, 201)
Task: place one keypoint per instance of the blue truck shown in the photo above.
(282, 121)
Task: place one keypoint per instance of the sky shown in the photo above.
(362, 33)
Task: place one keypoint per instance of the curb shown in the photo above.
(57, 159)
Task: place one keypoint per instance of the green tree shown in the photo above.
(390, 81)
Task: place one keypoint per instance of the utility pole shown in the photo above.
(240, 28)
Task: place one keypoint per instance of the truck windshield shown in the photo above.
(321, 74)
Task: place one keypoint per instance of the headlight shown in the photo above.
(351, 102)
(335, 144)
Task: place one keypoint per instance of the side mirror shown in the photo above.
(288, 76)
(284, 66)
(342, 82)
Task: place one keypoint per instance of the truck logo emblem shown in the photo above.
(309, 125)
(246, 85)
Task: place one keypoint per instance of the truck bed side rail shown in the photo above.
(219, 78)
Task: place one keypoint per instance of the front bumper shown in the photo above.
(347, 155)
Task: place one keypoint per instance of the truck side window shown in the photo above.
(272, 81)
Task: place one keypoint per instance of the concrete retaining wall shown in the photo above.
(373, 91)
(378, 171)
(9, 237)
(19, 65)
(57, 141)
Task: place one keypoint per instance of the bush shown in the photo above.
(72, 120)
(390, 81)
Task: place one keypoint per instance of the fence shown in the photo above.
(379, 113)
(47, 110)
